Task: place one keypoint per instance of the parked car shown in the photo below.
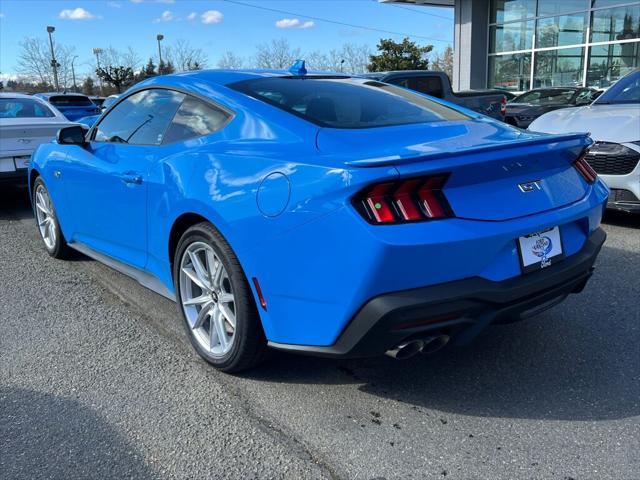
(614, 123)
(25, 123)
(321, 214)
(437, 84)
(525, 108)
(72, 105)
(91, 119)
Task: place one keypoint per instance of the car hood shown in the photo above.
(607, 123)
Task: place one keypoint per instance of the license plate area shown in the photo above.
(540, 250)
(21, 162)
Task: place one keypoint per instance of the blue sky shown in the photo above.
(215, 26)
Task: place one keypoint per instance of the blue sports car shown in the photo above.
(321, 213)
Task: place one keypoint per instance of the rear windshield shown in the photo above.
(341, 102)
(71, 101)
(625, 90)
(23, 108)
(546, 97)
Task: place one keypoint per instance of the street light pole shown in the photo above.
(54, 63)
(159, 37)
(97, 52)
(73, 73)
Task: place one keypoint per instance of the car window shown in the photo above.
(427, 85)
(546, 97)
(345, 102)
(70, 101)
(140, 119)
(194, 118)
(23, 108)
(625, 90)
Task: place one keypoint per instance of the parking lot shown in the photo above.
(98, 379)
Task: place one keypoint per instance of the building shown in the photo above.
(522, 44)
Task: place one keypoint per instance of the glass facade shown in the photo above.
(545, 43)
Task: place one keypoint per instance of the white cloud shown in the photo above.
(114, 4)
(76, 14)
(1, 15)
(166, 16)
(211, 16)
(192, 16)
(294, 23)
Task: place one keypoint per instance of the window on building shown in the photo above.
(561, 31)
(561, 67)
(509, 10)
(554, 7)
(511, 37)
(608, 63)
(616, 24)
(510, 72)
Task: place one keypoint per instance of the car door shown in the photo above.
(106, 180)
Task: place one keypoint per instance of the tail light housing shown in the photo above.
(503, 106)
(411, 200)
(583, 167)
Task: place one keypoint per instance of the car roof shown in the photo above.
(59, 94)
(14, 95)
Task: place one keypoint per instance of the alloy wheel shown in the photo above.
(207, 299)
(46, 217)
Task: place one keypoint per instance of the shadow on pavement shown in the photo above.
(45, 436)
(14, 203)
(621, 219)
(579, 361)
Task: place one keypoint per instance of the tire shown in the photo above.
(47, 221)
(203, 293)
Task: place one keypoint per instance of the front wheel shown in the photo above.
(216, 301)
(47, 221)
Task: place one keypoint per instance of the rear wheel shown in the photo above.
(216, 301)
(47, 221)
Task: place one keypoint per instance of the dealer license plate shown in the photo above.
(22, 162)
(541, 249)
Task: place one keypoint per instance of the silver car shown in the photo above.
(614, 123)
(25, 123)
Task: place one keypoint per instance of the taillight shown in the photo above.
(583, 167)
(503, 106)
(410, 200)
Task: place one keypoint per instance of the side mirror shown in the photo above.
(71, 136)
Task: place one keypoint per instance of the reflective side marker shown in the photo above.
(263, 302)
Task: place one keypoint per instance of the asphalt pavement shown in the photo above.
(98, 380)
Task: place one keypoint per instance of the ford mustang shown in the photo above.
(321, 213)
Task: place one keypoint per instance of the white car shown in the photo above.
(614, 123)
(25, 123)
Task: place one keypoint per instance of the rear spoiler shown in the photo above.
(571, 140)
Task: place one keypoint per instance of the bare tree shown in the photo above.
(230, 61)
(277, 54)
(110, 57)
(444, 62)
(356, 57)
(186, 57)
(34, 61)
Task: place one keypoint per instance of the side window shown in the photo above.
(140, 119)
(429, 85)
(195, 118)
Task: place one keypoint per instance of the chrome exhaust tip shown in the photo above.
(405, 350)
(434, 344)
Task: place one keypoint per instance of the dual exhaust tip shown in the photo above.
(426, 346)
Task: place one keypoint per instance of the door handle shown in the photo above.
(131, 178)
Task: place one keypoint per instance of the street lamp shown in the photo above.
(73, 73)
(159, 37)
(54, 63)
(97, 52)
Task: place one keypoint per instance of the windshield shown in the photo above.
(23, 108)
(547, 97)
(625, 90)
(71, 101)
(343, 102)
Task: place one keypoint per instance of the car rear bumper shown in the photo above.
(460, 309)
(17, 177)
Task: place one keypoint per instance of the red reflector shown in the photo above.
(263, 302)
(503, 106)
(583, 167)
(411, 200)
(378, 204)
(404, 201)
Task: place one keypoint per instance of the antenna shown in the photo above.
(298, 68)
